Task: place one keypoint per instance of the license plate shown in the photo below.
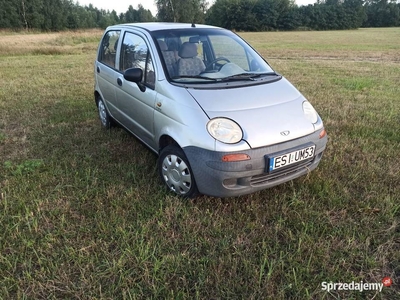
(291, 158)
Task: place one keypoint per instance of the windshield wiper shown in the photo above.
(247, 76)
(194, 76)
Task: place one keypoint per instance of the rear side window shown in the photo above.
(108, 48)
(135, 54)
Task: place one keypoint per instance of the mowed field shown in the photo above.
(83, 214)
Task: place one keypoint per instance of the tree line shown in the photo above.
(56, 15)
(241, 15)
(262, 15)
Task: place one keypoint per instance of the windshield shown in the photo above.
(208, 55)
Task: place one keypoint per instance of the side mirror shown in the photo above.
(135, 75)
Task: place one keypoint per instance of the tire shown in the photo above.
(105, 119)
(176, 173)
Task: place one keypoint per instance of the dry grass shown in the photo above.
(372, 44)
(72, 42)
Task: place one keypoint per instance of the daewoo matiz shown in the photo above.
(221, 120)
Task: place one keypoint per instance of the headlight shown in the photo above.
(310, 112)
(225, 130)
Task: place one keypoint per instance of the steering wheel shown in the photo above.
(211, 66)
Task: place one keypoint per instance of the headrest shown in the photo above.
(163, 45)
(188, 50)
(172, 45)
(194, 39)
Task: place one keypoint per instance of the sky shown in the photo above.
(121, 6)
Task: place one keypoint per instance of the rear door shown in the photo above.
(106, 71)
(136, 108)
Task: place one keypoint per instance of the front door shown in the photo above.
(136, 108)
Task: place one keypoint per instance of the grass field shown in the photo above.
(84, 216)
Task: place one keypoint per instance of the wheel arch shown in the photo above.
(166, 140)
(96, 97)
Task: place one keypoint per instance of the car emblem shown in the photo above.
(285, 133)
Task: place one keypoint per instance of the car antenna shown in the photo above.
(193, 25)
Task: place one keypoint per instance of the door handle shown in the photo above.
(119, 81)
(98, 69)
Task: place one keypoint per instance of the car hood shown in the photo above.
(267, 113)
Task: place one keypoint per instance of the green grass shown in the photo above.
(83, 214)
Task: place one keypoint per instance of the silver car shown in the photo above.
(221, 120)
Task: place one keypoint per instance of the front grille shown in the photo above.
(275, 175)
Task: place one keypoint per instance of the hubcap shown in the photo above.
(102, 113)
(176, 174)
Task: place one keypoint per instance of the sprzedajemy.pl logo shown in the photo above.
(356, 286)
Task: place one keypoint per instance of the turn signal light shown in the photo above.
(322, 133)
(235, 157)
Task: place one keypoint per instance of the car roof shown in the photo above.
(153, 26)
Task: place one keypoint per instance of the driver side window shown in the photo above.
(136, 54)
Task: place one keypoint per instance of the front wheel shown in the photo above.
(175, 172)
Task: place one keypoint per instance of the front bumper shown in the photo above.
(217, 178)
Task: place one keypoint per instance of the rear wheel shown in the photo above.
(175, 172)
(105, 118)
